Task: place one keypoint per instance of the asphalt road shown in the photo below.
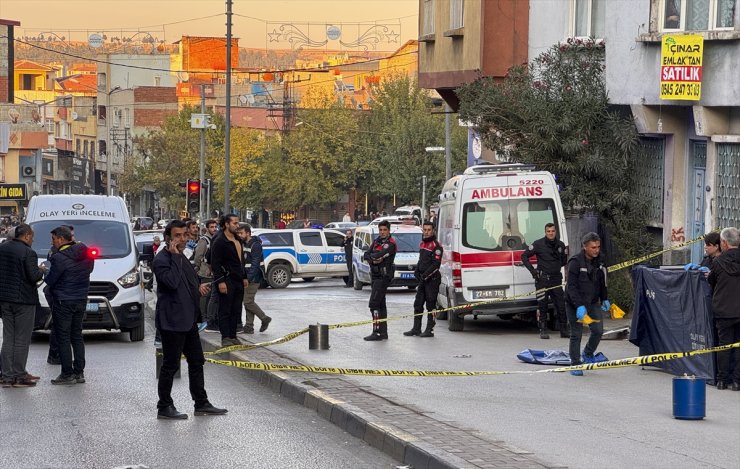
(619, 418)
(110, 421)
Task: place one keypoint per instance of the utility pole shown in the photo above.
(448, 143)
(227, 159)
(423, 198)
(201, 205)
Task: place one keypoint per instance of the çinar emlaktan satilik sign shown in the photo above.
(681, 66)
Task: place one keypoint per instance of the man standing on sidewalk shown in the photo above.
(18, 300)
(427, 273)
(380, 256)
(69, 282)
(203, 268)
(349, 240)
(177, 312)
(228, 265)
(255, 262)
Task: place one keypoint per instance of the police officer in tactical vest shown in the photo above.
(427, 273)
(551, 257)
(380, 256)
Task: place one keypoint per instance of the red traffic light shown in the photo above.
(193, 186)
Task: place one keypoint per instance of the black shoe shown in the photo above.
(208, 409)
(735, 386)
(53, 361)
(248, 330)
(412, 332)
(373, 337)
(564, 335)
(80, 378)
(265, 323)
(23, 383)
(427, 334)
(721, 385)
(544, 334)
(170, 413)
(347, 285)
(61, 379)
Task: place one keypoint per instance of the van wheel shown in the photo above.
(356, 284)
(278, 276)
(137, 333)
(442, 315)
(308, 279)
(455, 321)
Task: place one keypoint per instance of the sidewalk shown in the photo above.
(404, 432)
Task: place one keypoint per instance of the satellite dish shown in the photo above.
(183, 76)
(74, 115)
(250, 98)
(243, 99)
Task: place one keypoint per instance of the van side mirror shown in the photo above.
(147, 252)
(365, 247)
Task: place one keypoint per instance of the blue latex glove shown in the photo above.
(581, 312)
(605, 305)
(690, 266)
(704, 269)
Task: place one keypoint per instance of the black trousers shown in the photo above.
(728, 332)
(67, 320)
(378, 289)
(555, 295)
(230, 308)
(174, 345)
(348, 258)
(426, 292)
(576, 332)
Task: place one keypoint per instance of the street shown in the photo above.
(611, 418)
(110, 421)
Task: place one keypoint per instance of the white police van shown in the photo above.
(408, 238)
(303, 253)
(487, 217)
(116, 297)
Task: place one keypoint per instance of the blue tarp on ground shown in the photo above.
(673, 313)
(551, 357)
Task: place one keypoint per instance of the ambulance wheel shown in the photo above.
(356, 284)
(308, 279)
(442, 315)
(456, 321)
(278, 276)
(137, 333)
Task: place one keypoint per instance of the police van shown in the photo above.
(116, 297)
(487, 217)
(408, 238)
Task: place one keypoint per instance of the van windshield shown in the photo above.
(407, 242)
(506, 225)
(110, 237)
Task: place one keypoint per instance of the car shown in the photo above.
(163, 222)
(406, 211)
(305, 253)
(142, 223)
(298, 224)
(395, 220)
(408, 238)
(341, 225)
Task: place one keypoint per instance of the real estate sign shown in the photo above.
(681, 66)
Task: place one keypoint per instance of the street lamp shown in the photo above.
(107, 142)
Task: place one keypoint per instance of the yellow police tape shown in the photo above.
(621, 363)
(293, 335)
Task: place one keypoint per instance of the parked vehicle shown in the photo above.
(341, 225)
(144, 241)
(408, 238)
(163, 222)
(116, 296)
(142, 223)
(487, 216)
(298, 224)
(305, 253)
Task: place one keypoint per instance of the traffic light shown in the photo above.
(193, 195)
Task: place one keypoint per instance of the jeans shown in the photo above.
(251, 307)
(230, 308)
(17, 328)
(68, 317)
(576, 332)
(174, 345)
(728, 332)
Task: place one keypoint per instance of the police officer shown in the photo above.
(427, 273)
(551, 257)
(380, 256)
(586, 293)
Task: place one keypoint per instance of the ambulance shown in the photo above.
(487, 217)
(116, 297)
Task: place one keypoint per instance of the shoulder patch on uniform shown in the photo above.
(531, 247)
(438, 252)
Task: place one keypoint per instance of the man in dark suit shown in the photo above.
(177, 315)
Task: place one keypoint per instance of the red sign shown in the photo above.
(506, 192)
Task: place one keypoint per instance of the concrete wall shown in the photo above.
(121, 73)
(549, 24)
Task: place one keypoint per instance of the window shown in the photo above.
(49, 125)
(697, 15)
(428, 25)
(407, 242)
(2, 168)
(456, 14)
(506, 225)
(111, 237)
(311, 239)
(92, 150)
(127, 118)
(157, 80)
(85, 148)
(589, 18)
(78, 148)
(334, 239)
(102, 82)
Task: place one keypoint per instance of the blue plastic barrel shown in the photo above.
(689, 398)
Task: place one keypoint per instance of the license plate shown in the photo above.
(92, 308)
(407, 275)
(488, 294)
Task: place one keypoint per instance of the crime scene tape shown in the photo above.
(620, 363)
(293, 335)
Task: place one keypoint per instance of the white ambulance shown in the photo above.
(116, 297)
(487, 217)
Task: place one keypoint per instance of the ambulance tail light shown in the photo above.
(456, 270)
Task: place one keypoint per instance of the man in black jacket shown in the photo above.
(349, 239)
(427, 273)
(176, 316)
(255, 263)
(586, 293)
(228, 271)
(380, 256)
(18, 301)
(551, 257)
(69, 281)
(725, 281)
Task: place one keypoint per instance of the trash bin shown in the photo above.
(689, 398)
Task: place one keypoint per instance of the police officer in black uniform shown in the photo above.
(427, 273)
(551, 257)
(380, 257)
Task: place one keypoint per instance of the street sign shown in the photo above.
(681, 67)
(95, 40)
(198, 121)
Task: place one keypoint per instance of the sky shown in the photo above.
(169, 19)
